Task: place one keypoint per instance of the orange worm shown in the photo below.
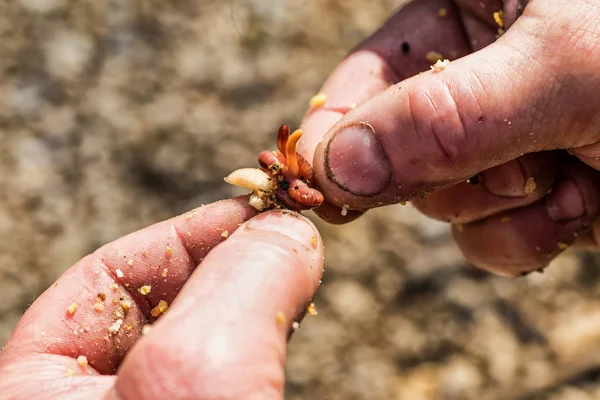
(290, 153)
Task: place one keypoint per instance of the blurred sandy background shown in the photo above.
(118, 114)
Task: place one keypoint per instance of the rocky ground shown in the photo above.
(118, 114)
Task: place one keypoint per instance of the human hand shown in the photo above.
(224, 335)
(503, 111)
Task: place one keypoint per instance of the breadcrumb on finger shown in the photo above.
(71, 309)
(318, 100)
(82, 361)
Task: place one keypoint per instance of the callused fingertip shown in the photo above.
(290, 224)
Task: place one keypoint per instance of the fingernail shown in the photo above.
(294, 226)
(506, 180)
(356, 161)
(565, 203)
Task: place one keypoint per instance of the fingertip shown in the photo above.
(290, 224)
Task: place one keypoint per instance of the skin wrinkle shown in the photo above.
(446, 152)
(456, 110)
(453, 126)
(109, 271)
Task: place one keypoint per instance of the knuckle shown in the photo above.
(437, 118)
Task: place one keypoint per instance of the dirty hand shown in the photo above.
(223, 337)
(504, 112)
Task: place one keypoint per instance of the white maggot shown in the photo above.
(251, 178)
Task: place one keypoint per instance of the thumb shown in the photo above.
(521, 94)
(224, 337)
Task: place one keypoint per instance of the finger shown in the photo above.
(397, 51)
(482, 10)
(526, 239)
(96, 308)
(440, 128)
(479, 33)
(225, 335)
(511, 185)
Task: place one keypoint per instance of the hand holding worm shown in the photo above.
(500, 115)
(221, 287)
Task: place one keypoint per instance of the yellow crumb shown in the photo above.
(114, 328)
(71, 309)
(312, 309)
(100, 297)
(506, 219)
(165, 272)
(82, 361)
(69, 372)
(115, 287)
(318, 100)
(563, 246)
(225, 234)
(530, 185)
(119, 273)
(98, 307)
(402, 203)
(128, 327)
(115, 300)
(119, 313)
(442, 12)
(160, 308)
(499, 18)
(434, 56)
(314, 241)
(168, 253)
(440, 65)
(126, 304)
(130, 263)
(460, 227)
(352, 106)
(280, 317)
(144, 290)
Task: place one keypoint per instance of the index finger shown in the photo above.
(102, 303)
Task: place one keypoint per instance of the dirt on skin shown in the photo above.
(115, 115)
